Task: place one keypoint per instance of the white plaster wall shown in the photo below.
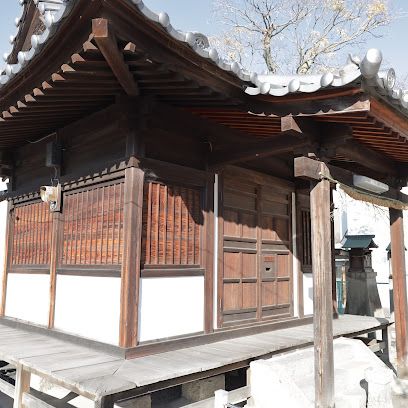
(28, 297)
(307, 294)
(88, 307)
(171, 307)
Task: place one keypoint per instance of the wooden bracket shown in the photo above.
(107, 44)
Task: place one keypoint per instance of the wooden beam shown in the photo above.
(311, 169)
(400, 290)
(322, 293)
(366, 157)
(107, 44)
(278, 145)
(132, 244)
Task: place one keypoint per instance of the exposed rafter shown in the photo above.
(107, 44)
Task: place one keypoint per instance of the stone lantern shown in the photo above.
(362, 291)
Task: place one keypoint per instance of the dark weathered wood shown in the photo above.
(400, 290)
(369, 158)
(55, 249)
(278, 145)
(322, 293)
(105, 39)
(132, 239)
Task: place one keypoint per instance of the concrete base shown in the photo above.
(288, 380)
(203, 389)
(141, 402)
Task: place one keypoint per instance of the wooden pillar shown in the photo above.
(132, 245)
(400, 290)
(54, 261)
(208, 255)
(322, 293)
(132, 235)
(7, 255)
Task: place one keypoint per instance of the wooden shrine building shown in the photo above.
(186, 198)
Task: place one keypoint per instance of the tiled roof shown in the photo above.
(364, 72)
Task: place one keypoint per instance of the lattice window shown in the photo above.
(172, 222)
(32, 234)
(306, 239)
(93, 226)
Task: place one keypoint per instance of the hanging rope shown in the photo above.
(368, 197)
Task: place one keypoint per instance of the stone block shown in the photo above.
(203, 389)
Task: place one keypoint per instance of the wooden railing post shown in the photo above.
(400, 290)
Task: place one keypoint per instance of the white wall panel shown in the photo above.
(88, 307)
(28, 297)
(171, 307)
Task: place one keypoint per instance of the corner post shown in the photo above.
(400, 290)
(132, 238)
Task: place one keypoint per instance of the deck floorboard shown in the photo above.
(96, 374)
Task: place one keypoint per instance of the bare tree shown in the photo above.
(295, 35)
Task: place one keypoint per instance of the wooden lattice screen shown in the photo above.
(306, 239)
(172, 222)
(32, 234)
(93, 226)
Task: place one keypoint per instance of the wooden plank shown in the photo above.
(23, 378)
(132, 241)
(322, 293)
(400, 290)
(105, 39)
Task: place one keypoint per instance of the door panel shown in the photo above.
(255, 271)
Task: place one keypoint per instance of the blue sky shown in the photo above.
(194, 15)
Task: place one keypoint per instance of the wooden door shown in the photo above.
(255, 252)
